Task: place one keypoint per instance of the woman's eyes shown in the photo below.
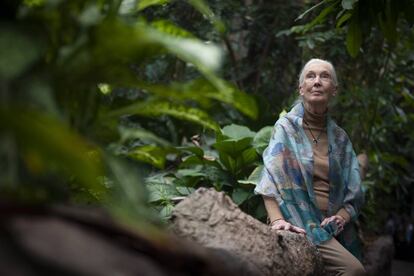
(323, 76)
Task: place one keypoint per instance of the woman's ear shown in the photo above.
(300, 90)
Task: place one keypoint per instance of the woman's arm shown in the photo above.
(277, 222)
(272, 208)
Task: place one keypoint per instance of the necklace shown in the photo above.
(315, 139)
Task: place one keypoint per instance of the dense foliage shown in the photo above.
(102, 100)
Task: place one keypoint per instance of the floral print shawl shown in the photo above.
(288, 177)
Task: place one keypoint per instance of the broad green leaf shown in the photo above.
(157, 108)
(233, 147)
(234, 131)
(129, 133)
(151, 154)
(161, 192)
(228, 162)
(171, 29)
(248, 156)
(136, 43)
(262, 138)
(201, 90)
(191, 161)
(354, 36)
(254, 177)
(228, 93)
(128, 199)
(197, 172)
(240, 195)
(55, 144)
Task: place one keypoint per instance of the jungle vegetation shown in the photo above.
(132, 105)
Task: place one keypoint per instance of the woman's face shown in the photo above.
(317, 87)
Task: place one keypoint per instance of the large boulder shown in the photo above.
(378, 256)
(212, 220)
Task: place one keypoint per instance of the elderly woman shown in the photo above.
(311, 182)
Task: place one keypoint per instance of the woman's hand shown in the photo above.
(337, 219)
(282, 224)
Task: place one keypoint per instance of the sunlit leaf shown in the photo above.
(234, 131)
(165, 108)
(129, 133)
(171, 29)
(202, 90)
(54, 143)
(151, 154)
(143, 4)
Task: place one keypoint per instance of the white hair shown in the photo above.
(317, 60)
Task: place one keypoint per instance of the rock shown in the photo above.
(378, 256)
(81, 241)
(211, 219)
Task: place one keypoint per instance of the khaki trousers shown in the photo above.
(338, 260)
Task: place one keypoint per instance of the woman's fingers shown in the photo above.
(284, 225)
(298, 230)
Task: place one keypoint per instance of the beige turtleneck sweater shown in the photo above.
(315, 127)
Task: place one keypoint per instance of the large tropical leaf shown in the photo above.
(55, 145)
(202, 90)
(262, 138)
(234, 131)
(157, 108)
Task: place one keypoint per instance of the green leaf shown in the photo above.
(191, 161)
(234, 131)
(52, 142)
(233, 147)
(321, 17)
(311, 9)
(262, 138)
(354, 36)
(171, 29)
(248, 156)
(129, 133)
(254, 177)
(228, 162)
(345, 17)
(151, 154)
(240, 195)
(157, 108)
(197, 172)
(143, 4)
(201, 90)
